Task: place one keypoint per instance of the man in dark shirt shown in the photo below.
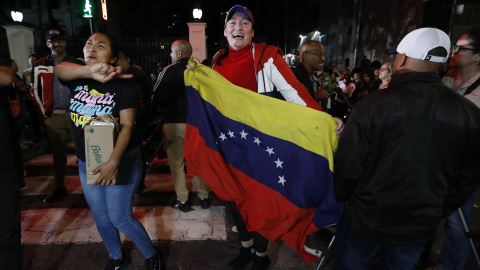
(170, 96)
(10, 229)
(312, 57)
(144, 86)
(407, 158)
(159, 68)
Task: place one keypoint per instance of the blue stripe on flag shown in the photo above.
(301, 176)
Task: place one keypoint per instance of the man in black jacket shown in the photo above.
(170, 96)
(312, 57)
(10, 229)
(144, 86)
(407, 158)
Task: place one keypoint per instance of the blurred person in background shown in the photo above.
(385, 75)
(144, 86)
(171, 97)
(33, 117)
(312, 57)
(10, 229)
(53, 99)
(464, 79)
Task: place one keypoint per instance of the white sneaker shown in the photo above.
(23, 146)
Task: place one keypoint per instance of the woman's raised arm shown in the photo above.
(101, 72)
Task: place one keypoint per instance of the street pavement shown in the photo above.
(62, 235)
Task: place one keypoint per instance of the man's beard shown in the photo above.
(57, 51)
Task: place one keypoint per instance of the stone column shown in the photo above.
(196, 36)
(21, 44)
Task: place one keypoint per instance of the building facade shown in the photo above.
(352, 30)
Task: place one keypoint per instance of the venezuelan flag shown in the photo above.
(273, 158)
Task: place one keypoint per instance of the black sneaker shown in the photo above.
(246, 255)
(260, 263)
(23, 186)
(56, 195)
(118, 264)
(154, 263)
(184, 207)
(27, 142)
(205, 203)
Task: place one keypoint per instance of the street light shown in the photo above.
(17, 16)
(302, 39)
(197, 14)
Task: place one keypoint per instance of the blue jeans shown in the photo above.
(112, 206)
(352, 251)
(456, 247)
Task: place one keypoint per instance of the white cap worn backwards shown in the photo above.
(418, 43)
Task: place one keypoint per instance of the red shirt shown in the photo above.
(239, 68)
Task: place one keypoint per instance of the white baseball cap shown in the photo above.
(419, 42)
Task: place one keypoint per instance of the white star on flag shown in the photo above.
(257, 141)
(270, 151)
(279, 163)
(222, 136)
(282, 180)
(230, 133)
(244, 134)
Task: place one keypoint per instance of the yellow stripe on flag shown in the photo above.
(308, 128)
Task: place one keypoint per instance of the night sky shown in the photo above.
(169, 18)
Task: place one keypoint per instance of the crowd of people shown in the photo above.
(361, 81)
(407, 156)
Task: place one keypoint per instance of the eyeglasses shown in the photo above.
(317, 54)
(456, 49)
(55, 41)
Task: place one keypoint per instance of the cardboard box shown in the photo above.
(99, 142)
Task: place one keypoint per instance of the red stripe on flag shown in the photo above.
(263, 209)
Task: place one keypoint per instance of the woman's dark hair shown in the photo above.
(371, 84)
(369, 74)
(375, 64)
(113, 45)
(348, 78)
(474, 36)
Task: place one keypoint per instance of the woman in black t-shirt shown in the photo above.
(95, 91)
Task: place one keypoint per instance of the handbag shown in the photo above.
(14, 105)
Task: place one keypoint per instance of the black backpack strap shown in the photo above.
(219, 58)
(472, 87)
